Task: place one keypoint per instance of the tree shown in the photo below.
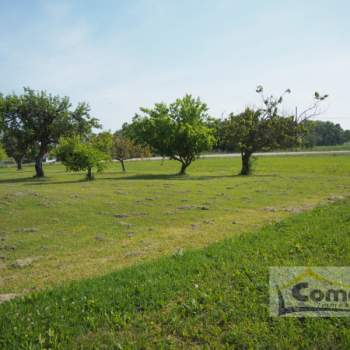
(323, 133)
(346, 136)
(2, 153)
(15, 138)
(43, 119)
(78, 155)
(264, 129)
(178, 131)
(16, 146)
(124, 148)
(103, 141)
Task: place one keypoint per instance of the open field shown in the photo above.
(211, 298)
(66, 229)
(344, 147)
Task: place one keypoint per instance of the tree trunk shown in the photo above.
(89, 175)
(183, 168)
(19, 163)
(39, 172)
(122, 164)
(246, 164)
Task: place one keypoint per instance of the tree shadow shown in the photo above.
(32, 181)
(59, 182)
(172, 177)
(22, 179)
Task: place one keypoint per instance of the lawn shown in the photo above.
(62, 228)
(212, 298)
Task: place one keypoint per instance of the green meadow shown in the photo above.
(62, 228)
(192, 298)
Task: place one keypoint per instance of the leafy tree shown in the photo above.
(15, 138)
(264, 129)
(178, 131)
(323, 133)
(346, 136)
(78, 155)
(2, 153)
(17, 147)
(103, 141)
(124, 148)
(43, 119)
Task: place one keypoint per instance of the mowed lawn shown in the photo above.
(211, 298)
(64, 228)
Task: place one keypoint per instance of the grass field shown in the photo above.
(62, 228)
(344, 147)
(211, 298)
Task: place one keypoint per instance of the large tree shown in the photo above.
(77, 155)
(15, 138)
(178, 131)
(44, 118)
(265, 129)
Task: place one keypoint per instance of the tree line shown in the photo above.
(36, 123)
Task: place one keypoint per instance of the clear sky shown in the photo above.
(120, 55)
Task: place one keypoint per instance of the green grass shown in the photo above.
(211, 298)
(75, 233)
(344, 147)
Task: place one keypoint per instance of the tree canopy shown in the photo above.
(39, 120)
(79, 155)
(124, 148)
(324, 133)
(2, 153)
(178, 131)
(265, 129)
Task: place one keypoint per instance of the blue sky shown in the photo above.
(120, 55)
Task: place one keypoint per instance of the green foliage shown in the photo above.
(124, 148)
(178, 131)
(3, 154)
(324, 133)
(103, 141)
(77, 155)
(212, 298)
(256, 130)
(265, 129)
(37, 120)
(16, 139)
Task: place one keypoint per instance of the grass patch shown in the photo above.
(65, 228)
(211, 298)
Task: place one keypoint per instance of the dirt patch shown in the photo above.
(21, 263)
(125, 224)
(27, 230)
(334, 199)
(270, 209)
(8, 297)
(186, 207)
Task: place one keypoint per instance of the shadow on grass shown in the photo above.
(173, 177)
(188, 177)
(24, 180)
(31, 181)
